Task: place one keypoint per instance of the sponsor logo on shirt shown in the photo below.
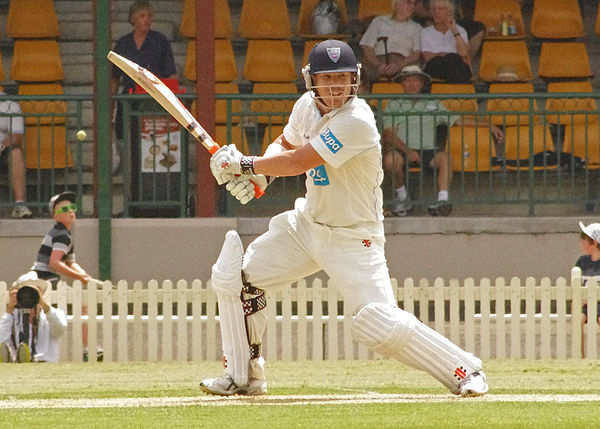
(330, 141)
(319, 176)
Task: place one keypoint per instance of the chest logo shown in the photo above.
(330, 140)
(319, 176)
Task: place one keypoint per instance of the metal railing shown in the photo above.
(549, 158)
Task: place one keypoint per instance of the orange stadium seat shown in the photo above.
(458, 104)
(510, 104)
(43, 107)
(43, 141)
(225, 67)
(369, 9)
(306, 8)
(30, 19)
(265, 19)
(269, 61)
(278, 110)
(569, 104)
(489, 13)
(36, 61)
(223, 26)
(471, 148)
(517, 142)
(499, 55)
(556, 19)
(238, 137)
(584, 141)
(564, 60)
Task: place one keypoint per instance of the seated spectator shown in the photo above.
(11, 154)
(589, 262)
(31, 330)
(418, 138)
(464, 17)
(391, 42)
(444, 45)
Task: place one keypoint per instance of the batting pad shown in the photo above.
(394, 332)
(226, 281)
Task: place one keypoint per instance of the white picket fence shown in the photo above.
(179, 322)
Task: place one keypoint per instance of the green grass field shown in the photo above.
(73, 392)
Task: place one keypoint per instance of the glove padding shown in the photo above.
(242, 187)
(225, 163)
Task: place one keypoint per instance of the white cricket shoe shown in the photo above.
(224, 386)
(474, 384)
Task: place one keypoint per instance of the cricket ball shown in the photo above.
(81, 135)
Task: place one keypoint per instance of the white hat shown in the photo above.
(413, 70)
(592, 230)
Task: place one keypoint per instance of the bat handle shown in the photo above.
(258, 192)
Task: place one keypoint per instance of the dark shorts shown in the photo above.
(4, 155)
(51, 277)
(426, 156)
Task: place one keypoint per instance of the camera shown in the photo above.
(27, 297)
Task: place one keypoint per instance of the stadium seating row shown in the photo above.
(551, 19)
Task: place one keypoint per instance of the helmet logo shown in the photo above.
(334, 53)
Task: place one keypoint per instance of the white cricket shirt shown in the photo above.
(345, 191)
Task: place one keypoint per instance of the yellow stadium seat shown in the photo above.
(271, 133)
(489, 13)
(458, 104)
(517, 142)
(565, 105)
(269, 61)
(223, 26)
(43, 107)
(43, 141)
(238, 138)
(278, 110)
(31, 19)
(584, 141)
(471, 148)
(36, 61)
(556, 19)
(500, 55)
(369, 9)
(385, 88)
(225, 67)
(564, 60)
(265, 19)
(510, 104)
(306, 8)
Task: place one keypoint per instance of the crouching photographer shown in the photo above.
(31, 330)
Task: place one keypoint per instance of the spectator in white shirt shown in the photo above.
(31, 329)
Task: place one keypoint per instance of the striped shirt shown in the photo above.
(58, 238)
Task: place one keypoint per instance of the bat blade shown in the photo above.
(165, 97)
(169, 101)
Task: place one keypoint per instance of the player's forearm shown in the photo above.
(62, 268)
(283, 164)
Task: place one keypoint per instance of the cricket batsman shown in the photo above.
(337, 227)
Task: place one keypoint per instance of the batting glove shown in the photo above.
(228, 162)
(243, 188)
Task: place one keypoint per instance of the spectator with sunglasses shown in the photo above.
(56, 255)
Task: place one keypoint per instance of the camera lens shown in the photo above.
(27, 297)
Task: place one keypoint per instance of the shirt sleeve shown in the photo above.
(168, 62)
(57, 321)
(370, 36)
(6, 323)
(341, 141)
(16, 122)
(291, 131)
